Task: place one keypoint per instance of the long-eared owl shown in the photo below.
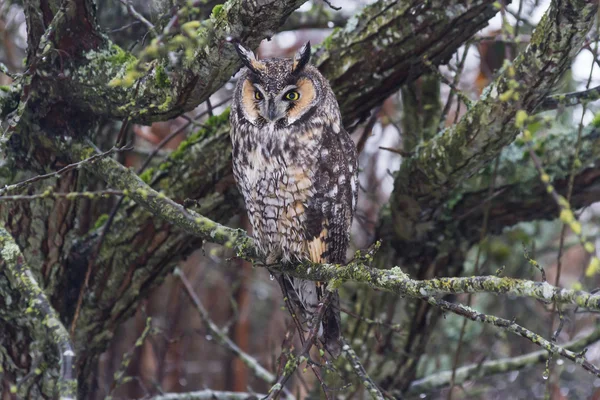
(296, 168)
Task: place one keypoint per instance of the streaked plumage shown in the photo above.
(297, 169)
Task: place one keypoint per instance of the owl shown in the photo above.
(296, 168)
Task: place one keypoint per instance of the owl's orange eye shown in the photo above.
(292, 95)
(258, 95)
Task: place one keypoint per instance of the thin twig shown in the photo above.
(360, 371)
(517, 329)
(294, 361)
(219, 335)
(331, 5)
(119, 375)
(69, 167)
(135, 14)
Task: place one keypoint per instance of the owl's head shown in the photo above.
(279, 91)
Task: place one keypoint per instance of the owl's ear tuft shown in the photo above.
(249, 59)
(301, 58)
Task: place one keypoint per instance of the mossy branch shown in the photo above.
(40, 312)
(447, 160)
(355, 53)
(392, 280)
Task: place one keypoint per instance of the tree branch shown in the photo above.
(492, 367)
(208, 394)
(360, 51)
(447, 160)
(50, 327)
(221, 336)
(511, 326)
(393, 280)
(443, 27)
(569, 99)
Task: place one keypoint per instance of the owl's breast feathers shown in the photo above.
(300, 190)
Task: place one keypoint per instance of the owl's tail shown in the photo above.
(332, 326)
(306, 296)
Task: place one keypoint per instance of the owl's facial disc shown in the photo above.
(282, 107)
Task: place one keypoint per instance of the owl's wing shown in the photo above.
(329, 212)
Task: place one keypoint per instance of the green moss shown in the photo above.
(161, 77)
(165, 106)
(217, 10)
(100, 221)
(596, 121)
(147, 175)
(329, 39)
(120, 56)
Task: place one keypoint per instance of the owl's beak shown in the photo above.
(272, 110)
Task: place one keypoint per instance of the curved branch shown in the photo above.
(40, 312)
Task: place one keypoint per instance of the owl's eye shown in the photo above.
(292, 95)
(258, 95)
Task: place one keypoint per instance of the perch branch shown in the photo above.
(393, 280)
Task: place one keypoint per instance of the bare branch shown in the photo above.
(220, 336)
(503, 365)
(517, 329)
(208, 394)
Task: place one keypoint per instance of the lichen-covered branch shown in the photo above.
(360, 371)
(39, 311)
(360, 52)
(393, 280)
(439, 165)
(522, 196)
(162, 92)
(481, 370)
